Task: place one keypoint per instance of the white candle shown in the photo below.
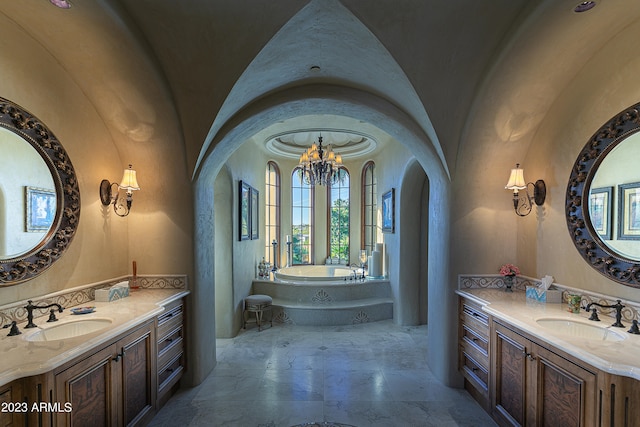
(376, 259)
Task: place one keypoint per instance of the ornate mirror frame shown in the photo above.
(28, 265)
(599, 256)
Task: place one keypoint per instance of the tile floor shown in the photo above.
(371, 374)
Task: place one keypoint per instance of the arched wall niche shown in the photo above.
(319, 99)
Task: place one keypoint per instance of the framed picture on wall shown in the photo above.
(244, 211)
(41, 209)
(629, 211)
(254, 209)
(600, 211)
(389, 211)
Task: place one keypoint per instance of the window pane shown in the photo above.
(272, 211)
(301, 220)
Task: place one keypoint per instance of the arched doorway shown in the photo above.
(318, 99)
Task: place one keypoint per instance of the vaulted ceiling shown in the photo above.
(457, 68)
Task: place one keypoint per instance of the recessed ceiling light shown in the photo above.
(315, 68)
(62, 4)
(584, 6)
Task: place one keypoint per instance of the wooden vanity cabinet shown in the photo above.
(171, 348)
(115, 386)
(473, 350)
(534, 386)
(11, 395)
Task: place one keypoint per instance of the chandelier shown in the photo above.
(319, 165)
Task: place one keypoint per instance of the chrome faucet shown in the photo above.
(618, 306)
(30, 307)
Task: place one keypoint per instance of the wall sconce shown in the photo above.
(108, 196)
(522, 205)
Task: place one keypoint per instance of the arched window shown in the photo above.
(301, 219)
(338, 213)
(368, 221)
(272, 210)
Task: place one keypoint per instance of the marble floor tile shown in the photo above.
(370, 374)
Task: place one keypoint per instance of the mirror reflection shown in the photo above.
(614, 199)
(27, 196)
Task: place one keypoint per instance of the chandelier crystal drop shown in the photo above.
(319, 165)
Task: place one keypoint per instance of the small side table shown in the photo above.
(257, 304)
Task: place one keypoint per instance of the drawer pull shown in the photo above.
(528, 356)
(169, 340)
(170, 370)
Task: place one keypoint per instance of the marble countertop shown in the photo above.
(22, 358)
(615, 357)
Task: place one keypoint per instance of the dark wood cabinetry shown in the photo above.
(114, 386)
(535, 386)
(10, 396)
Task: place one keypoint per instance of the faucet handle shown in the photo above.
(634, 328)
(14, 329)
(52, 315)
(594, 315)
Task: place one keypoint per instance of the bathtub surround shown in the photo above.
(328, 303)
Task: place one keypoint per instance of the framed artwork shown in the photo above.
(40, 208)
(254, 209)
(629, 211)
(244, 211)
(389, 211)
(600, 211)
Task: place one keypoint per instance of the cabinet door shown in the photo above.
(510, 379)
(88, 387)
(137, 376)
(14, 407)
(566, 392)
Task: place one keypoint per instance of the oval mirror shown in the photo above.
(603, 199)
(39, 196)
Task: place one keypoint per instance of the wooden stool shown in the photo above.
(257, 304)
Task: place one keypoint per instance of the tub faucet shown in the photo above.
(618, 306)
(30, 307)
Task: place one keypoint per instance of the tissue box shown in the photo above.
(120, 290)
(540, 295)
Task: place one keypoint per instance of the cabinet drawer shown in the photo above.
(171, 373)
(476, 319)
(472, 338)
(170, 339)
(475, 372)
(170, 351)
(169, 321)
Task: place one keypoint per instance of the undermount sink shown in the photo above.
(582, 330)
(71, 329)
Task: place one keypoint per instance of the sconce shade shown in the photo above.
(516, 180)
(129, 181)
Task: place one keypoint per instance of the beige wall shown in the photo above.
(158, 232)
(486, 233)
